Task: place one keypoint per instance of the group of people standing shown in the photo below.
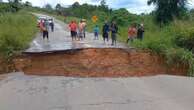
(113, 28)
(135, 31)
(78, 31)
(45, 26)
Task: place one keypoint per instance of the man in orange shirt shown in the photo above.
(73, 29)
(132, 33)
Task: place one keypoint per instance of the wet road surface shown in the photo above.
(21, 92)
(60, 40)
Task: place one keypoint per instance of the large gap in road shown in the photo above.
(96, 63)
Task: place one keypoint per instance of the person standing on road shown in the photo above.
(114, 31)
(41, 25)
(96, 32)
(73, 29)
(84, 27)
(140, 32)
(131, 33)
(105, 32)
(45, 29)
(80, 30)
(52, 25)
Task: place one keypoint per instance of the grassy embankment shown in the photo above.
(17, 31)
(166, 42)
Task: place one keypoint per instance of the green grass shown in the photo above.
(17, 31)
(163, 41)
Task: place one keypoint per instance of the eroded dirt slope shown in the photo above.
(96, 63)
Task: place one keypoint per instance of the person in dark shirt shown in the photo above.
(52, 25)
(140, 32)
(114, 31)
(105, 32)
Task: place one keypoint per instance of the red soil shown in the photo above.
(6, 67)
(96, 63)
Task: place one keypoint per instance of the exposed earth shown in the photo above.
(96, 63)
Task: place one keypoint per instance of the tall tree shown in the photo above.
(15, 4)
(103, 6)
(48, 7)
(166, 10)
(58, 9)
(75, 5)
(28, 4)
(103, 3)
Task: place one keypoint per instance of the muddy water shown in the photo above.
(96, 63)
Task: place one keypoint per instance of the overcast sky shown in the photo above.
(134, 6)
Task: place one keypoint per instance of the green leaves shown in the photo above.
(185, 38)
(166, 10)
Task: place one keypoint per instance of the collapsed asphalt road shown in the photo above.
(28, 92)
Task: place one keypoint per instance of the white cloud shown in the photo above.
(191, 3)
(134, 6)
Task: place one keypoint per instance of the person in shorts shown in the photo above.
(73, 30)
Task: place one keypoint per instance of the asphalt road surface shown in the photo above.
(21, 92)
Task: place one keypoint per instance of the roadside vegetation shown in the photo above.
(18, 27)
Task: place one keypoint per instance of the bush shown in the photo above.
(179, 57)
(173, 41)
(185, 39)
(4, 7)
(17, 30)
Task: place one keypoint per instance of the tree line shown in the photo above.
(13, 6)
(165, 11)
